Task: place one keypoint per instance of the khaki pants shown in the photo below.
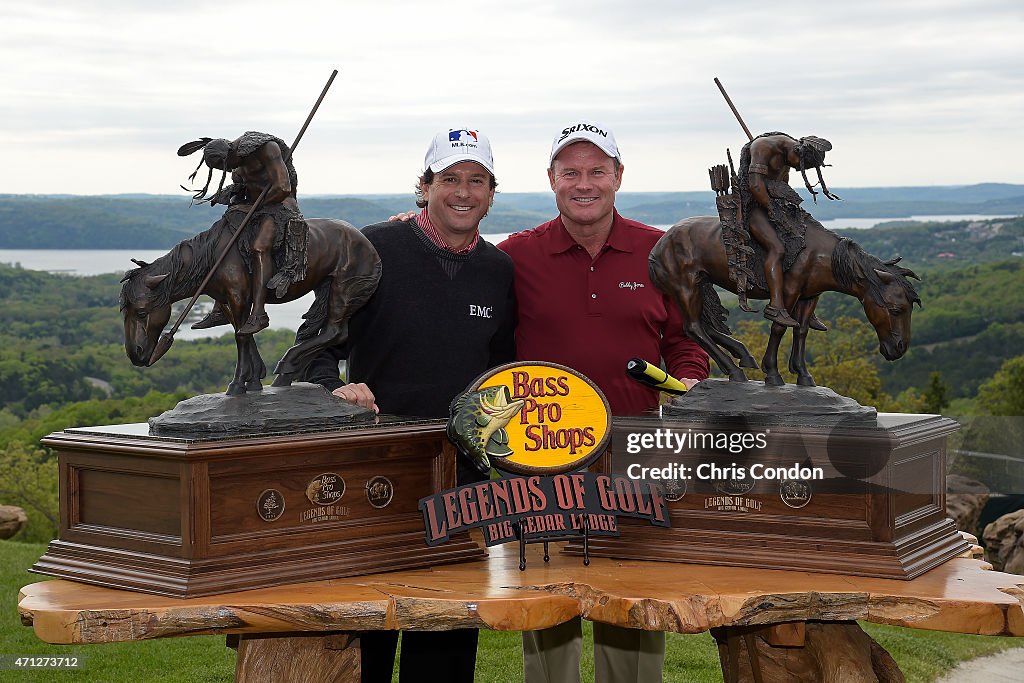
(621, 655)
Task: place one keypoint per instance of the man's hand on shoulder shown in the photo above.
(359, 394)
(405, 216)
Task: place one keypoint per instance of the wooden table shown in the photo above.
(789, 619)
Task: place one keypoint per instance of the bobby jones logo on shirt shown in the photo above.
(631, 285)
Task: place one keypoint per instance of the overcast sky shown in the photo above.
(95, 97)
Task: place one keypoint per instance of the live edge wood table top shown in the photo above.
(961, 595)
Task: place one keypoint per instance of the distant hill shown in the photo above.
(160, 221)
(137, 221)
(519, 210)
(993, 199)
(943, 245)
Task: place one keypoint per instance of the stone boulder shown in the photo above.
(1004, 543)
(965, 498)
(12, 518)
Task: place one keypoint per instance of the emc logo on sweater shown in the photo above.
(481, 311)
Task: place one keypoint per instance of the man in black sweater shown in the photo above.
(443, 313)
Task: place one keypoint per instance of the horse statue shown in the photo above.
(690, 259)
(343, 271)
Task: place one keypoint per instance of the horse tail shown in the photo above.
(663, 261)
(315, 317)
(656, 271)
(713, 314)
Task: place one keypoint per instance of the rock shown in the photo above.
(965, 499)
(755, 403)
(12, 518)
(300, 407)
(1004, 543)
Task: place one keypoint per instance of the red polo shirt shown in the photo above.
(593, 315)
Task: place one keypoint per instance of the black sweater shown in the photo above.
(425, 335)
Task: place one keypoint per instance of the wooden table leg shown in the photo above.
(818, 652)
(297, 658)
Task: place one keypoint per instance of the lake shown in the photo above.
(97, 261)
(288, 316)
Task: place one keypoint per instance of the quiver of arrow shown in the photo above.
(739, 253)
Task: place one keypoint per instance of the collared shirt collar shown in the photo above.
(618, 238)
(432, 233)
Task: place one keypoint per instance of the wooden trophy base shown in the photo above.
(198, 516)
(892, 526)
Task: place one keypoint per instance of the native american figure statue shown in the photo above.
(262, 251)
(764, 207)
(273, 244)
(763, 245)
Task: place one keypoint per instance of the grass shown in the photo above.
(199, 659)
(922, 655)
(925, 655)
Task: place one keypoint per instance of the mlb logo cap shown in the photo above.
(459, 144)
(585, 131)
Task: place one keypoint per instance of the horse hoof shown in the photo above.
(254, 385)
(805, 381)
(750, 363)
(235, 389)
(774, 381)
(737, 377)
(283, 380)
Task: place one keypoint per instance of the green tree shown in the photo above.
(843, 360)
(28, 479)
(907, 401)
(936, 396)
(1003, 394)
(46, 420)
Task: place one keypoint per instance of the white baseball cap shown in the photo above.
(459, 144)
(585, 131)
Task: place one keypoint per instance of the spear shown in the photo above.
(167, 338)
(732, 106)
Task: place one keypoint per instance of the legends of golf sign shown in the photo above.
(544, 422)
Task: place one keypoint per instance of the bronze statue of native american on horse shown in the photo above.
(790, 261)
(277, 257)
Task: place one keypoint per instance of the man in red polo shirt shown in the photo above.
(584, 299)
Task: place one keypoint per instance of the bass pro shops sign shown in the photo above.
(539, 425)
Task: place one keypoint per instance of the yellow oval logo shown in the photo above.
(533, 418)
